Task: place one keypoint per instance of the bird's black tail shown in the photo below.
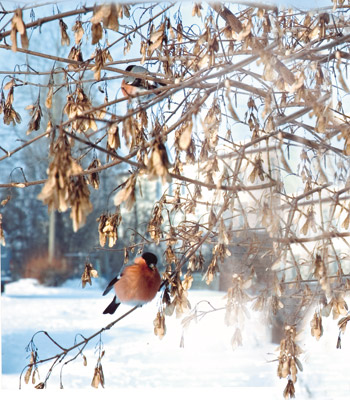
(111, 307)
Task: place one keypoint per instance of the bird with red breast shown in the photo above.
(135, 86)
(137, 284)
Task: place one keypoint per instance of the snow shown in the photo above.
(136, 359)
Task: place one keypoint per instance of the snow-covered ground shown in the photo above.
(136, 359)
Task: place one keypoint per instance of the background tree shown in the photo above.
(248, 133)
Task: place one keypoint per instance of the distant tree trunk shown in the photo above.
(52, 234)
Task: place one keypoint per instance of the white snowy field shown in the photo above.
(136, 359)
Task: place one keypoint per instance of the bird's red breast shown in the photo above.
(128, 90)
(138, 284)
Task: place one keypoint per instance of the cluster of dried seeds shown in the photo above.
(89, 272)
(288, 361)
(108, 228)
(65, 188)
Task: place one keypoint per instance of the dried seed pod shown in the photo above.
(113, 139)
(78, 31)
(212, 270)
(94, 179)
(31, 366)
(96, 380)
(316, 326)
(108, 14)
(28, 374)
(76, 55)
(77, 109)
(102, 233)
(10, 115)
(17, 25)
(196, 10)
(101, 57)
(108, 228)
(159, 163)
(40, 385)
(154, 225)
(96, 33)
(64, 35)
(289, 391)
(321, 273)
(89, 272)
(156, 39)
(338, 346)
(258, 170)
(36, 113)
(187, 281)
(127, 193)
(79, 198)
(159, 325)
(48, 101)
(343, 322)
(185, 136)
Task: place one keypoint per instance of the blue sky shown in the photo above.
(303, 3)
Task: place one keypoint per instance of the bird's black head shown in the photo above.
(150, 258)
(134, 68)
(129, 67)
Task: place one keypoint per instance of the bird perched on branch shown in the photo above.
(135, 86)
(136, 285)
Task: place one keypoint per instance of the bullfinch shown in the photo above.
(135, 86)
(136, 285)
